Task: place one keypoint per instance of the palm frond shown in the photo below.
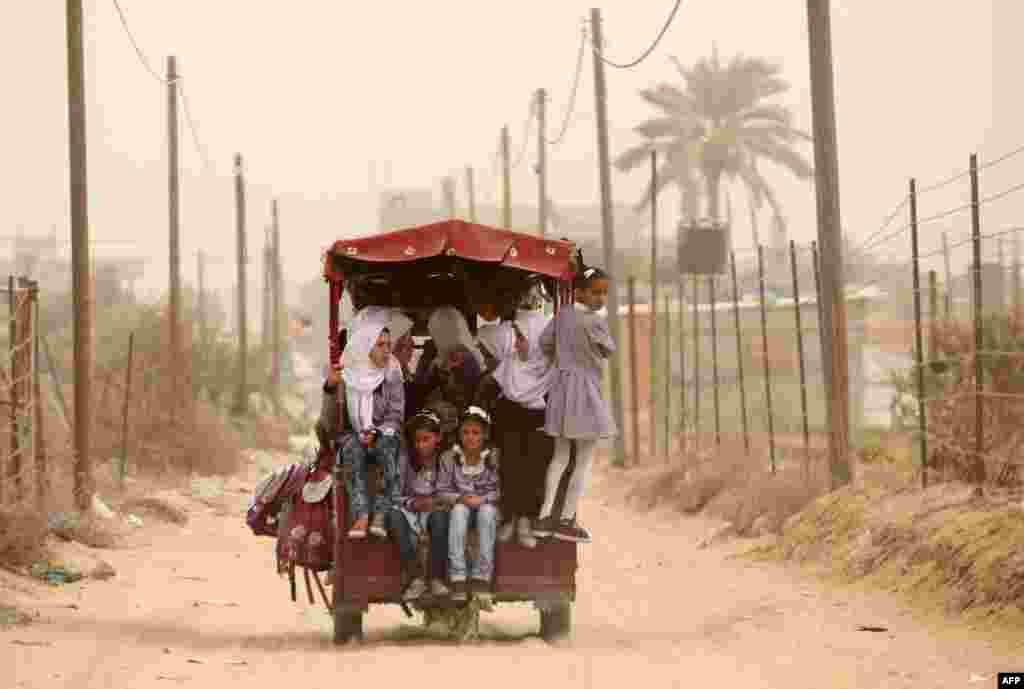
(670, 99)
(634, 157)
(679, 127)
(665, 178)
(773, 132)
(782, 155)
(769, 113)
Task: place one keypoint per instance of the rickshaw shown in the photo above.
(417, 269)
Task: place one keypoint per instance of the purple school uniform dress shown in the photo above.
(578, 343)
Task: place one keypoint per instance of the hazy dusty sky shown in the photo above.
(311, 92)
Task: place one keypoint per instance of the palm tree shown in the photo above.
(717, 128)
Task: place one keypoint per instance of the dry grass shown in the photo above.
(157, 507)
(22, 537)
(731, 485)
(946, 549)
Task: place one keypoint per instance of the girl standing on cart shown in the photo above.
(577, 343)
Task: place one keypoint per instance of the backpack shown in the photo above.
(270, 495)
(306, 527)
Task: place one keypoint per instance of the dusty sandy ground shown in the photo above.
(200, 606)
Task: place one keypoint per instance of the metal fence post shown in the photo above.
(739, 352)
(634, 371)
(696, 365)
(922, 420)
(127, 400)
(15, 467)
(667, 412)
(714, 358)
(978, 465)
(42, 470)
(800, 358)
(682, 364)
(764, 351)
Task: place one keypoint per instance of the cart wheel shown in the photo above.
(348, 624)
(556, 623)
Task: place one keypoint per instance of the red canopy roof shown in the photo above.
(465, 240)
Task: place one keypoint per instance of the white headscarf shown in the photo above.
(449, 330)
(397, 323)
(360, 375)
(525, 382)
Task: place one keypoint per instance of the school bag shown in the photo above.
(306, 527)
(270, 495)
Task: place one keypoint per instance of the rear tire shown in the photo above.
(348, 624)
(556, 623)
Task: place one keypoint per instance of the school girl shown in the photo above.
(577, 343)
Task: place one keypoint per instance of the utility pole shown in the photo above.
(471, 193)
(949, 275)
(653, 371)
(608, 228)
(506, 181)
(204, 333)
(830, 239)
(278, 297)
(174, 216)
(81, 287)
(448, 191)
(242, 391)
(266, 292)
(542, 162)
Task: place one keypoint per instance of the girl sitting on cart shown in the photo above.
(468, 481)
(417, 513)
(368, 389)
(450, 369)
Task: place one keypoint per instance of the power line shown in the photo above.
(135, 45)
(526, 134)
(572, 96)
(661, 34)
(200, 149)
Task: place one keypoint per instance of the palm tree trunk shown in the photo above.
(756, 235)
(714, 182)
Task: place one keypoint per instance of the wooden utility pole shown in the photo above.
(652, 377)
(81, 287)
(242, 391)
(949, 275)
(1015, 281)
(608, 228)
(448, 192)
(266, 292)
(506, 181)
(277, 300)
(542, 162)
(174, 210)
(471, 193)
(830, 240)
(201, 280)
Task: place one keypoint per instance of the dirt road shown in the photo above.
(200, 606)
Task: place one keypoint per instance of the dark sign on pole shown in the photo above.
(703, 250)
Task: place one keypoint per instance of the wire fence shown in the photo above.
(23, 460)
(730, 360)
(935, 337)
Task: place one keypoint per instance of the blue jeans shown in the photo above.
(437, 526)
(355, 457)
(486, 519)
